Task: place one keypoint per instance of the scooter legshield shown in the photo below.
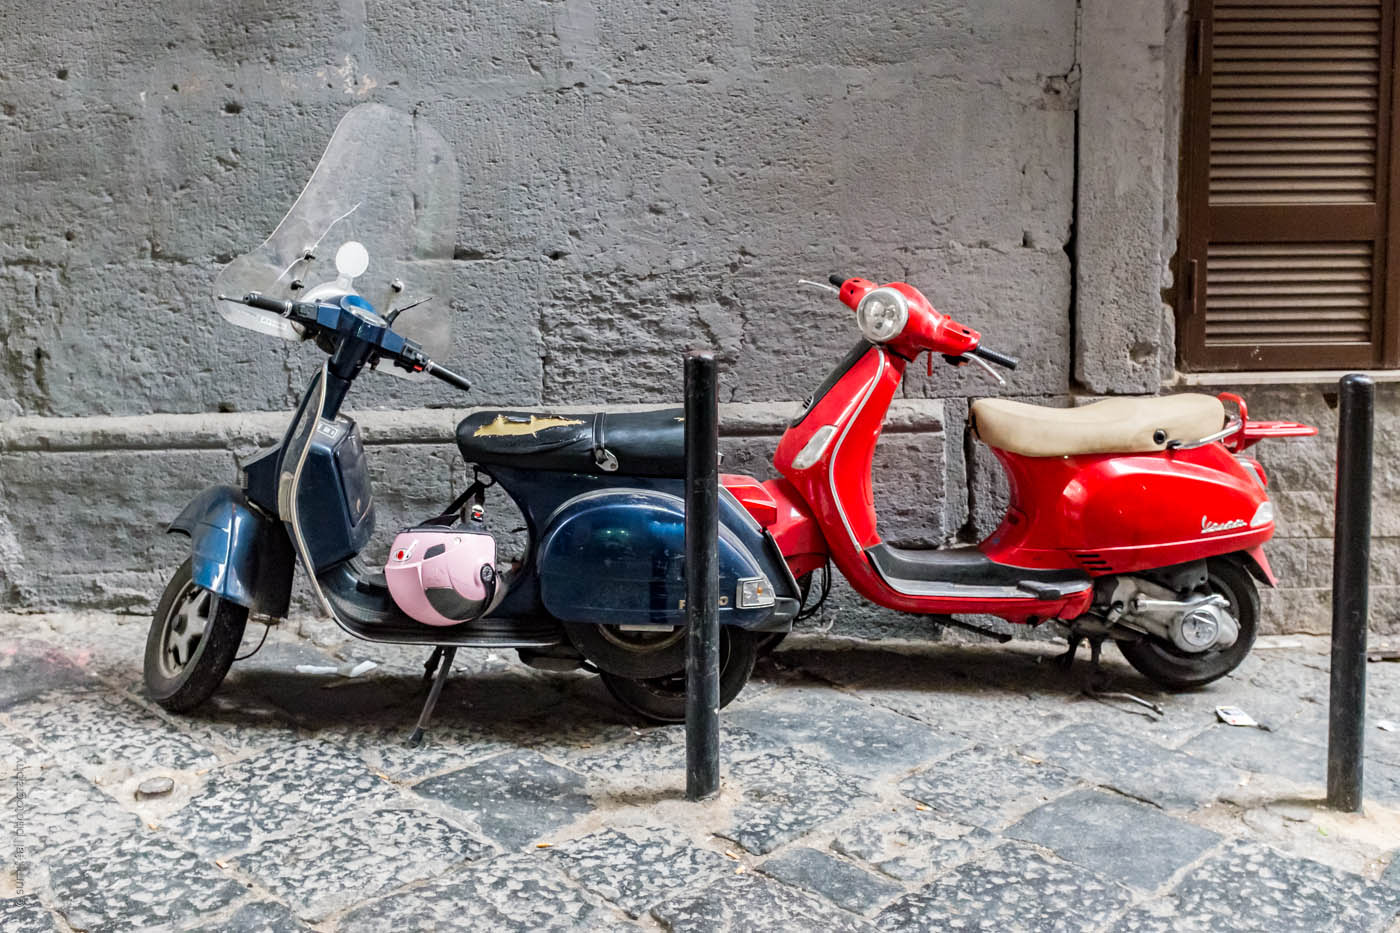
(618, 557)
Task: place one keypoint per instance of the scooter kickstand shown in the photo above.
(1066, 660)
(1096, 679)
(430, 665)
(448, 654)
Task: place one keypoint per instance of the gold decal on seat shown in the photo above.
(501, 427)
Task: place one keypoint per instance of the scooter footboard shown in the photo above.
(618, 557)
(236, 552)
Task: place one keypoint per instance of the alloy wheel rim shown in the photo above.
(184, 628)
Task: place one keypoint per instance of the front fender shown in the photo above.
(236, 552)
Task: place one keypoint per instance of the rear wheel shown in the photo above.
(1171, 667)
(662, 699)
(629, 652)
(193, 638)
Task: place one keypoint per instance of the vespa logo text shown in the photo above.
(1209, 527)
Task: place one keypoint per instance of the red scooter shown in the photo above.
(1135, 519)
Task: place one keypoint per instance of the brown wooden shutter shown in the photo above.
(1285, 186)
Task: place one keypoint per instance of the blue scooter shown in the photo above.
(601, 582)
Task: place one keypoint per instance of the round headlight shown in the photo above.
(882, 315)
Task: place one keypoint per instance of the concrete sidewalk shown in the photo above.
(865, 787)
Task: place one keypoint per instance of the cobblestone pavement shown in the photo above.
(942, 786)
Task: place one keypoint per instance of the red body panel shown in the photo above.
(777, 507)
(758, 501)
(1123, 513)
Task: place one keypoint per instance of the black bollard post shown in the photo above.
(701, 576)
(1351, 559)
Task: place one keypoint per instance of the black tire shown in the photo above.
(181, 684)
(662, 699)
(769, 642)
(1175, 669)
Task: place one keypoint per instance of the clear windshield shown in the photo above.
(387, 180)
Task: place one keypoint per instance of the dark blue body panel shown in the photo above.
(611, 549)
(236, 551)
(335, 489)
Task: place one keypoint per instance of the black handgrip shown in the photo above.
(263, 303)
(1001, 359)
(837, 280)
(447, 376)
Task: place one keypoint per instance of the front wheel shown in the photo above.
(662, 699)
(1175, 669)
(192, 642)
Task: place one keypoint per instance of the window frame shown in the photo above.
(1377, 223)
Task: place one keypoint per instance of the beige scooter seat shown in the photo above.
(1115, 425)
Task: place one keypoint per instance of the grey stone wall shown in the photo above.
(637, 178)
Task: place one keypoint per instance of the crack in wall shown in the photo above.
(1071, 246)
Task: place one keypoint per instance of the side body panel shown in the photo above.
(236, 551)
(1122, 513)
(610, 549)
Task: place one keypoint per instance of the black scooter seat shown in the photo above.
(632, 443)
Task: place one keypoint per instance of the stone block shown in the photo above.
(787, 795)
(985, 786)
(1251, 886)
(1119, 224)
(32, 668)
(242, 804)
(839, 881)
(1011, 886)
(138, 880)
(1133, 766)
(316, 871)
(1115, 837)
(427, 44)
(909, 843)
(645, 42)
(514, 797)
(512, 892)
(1302, 763)
(114, 512)
(1029, 38)
(638, 867)
(255, 917)
(750, 901)
(854, 736)
(109, 738)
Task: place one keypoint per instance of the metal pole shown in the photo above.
(701, 576)
(1351, 559)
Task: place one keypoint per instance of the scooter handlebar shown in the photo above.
(447, 376)
(264, 303)
(1001, 359)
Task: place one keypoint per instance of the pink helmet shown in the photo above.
(442, 576)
